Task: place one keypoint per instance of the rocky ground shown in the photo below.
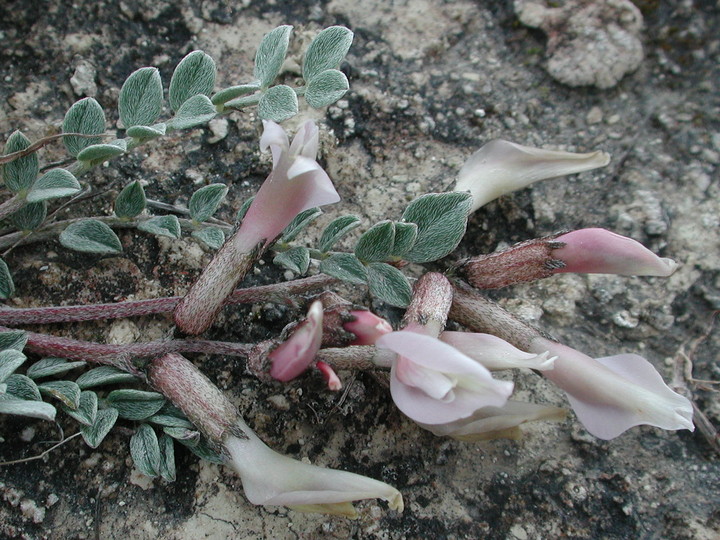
(430, 82)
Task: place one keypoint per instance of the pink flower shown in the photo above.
(295, 184)
(296, 354)
(612, 394)
(367, 327)
(598, 251)
(495, 353)
(501, 167)
(433, 383)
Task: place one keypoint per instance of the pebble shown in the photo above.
(83, 80)
(594, 116)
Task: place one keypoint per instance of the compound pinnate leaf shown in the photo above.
(90, 236)
(196, 111)
(87, 117)
(162, 226)
(87, 409)
(296, 259)
(97, 153)
(103, 375)
(23, 407)
(212, 237)
(104, 422)
(131, 201)
(346, 267)
(271, 54)
(54, 184)
(10, 360)
(389, 284)
(135, 404)
(326, 51)
(22, 387)
(30, 216)
(278, 103)
(377, 242)
(195, 74)
(405, 238)
(441, 219)
(145, 451)
(49, 367)
(13, 339)
(141, 98)
(326, 88)
(7, 287)
(20, 173)
(205, 201)
(299, 223)
(68, 392)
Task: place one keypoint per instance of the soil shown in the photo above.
(430, 83)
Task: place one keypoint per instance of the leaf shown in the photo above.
(405, 237)
(135, 404)
(30, 216)
(20, 174)
(226, 94)
(203, 450)
(271, 54)
(87, 409)
(90, 236)
(194, 112)
(278, 103)
(7, 287)
(48, 367)
(296, 259)
(377, 242)
(104, 422)
(300, 222)
(189, 437)
(195, 74)
(205, 201)
(243, 209)
(103, 375)
(212, 237)
(167, 420)
(87, 117)
(22, 387)
(67, 392)
(53, 184)
(167, 458)
(161, 226)
(23, 407)
(326, 88)
(145, 451)
(337, 228)
(141, 98)
(441, 219)
(344, 266)
(389, 284)
(146, 132)
(10, 360)
(326, 51)
(97, 153)
(13, 339)
(131, 201)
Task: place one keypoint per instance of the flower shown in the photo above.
(612, 394)
(295, 184)
(367, 327)
(599, 251)
(495, 353)
(491, 423)
(434, 383)
(271, 479)
(500, 167)
(295, 354)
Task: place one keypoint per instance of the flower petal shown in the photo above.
(294, 356)
(495, 353)
(275, 138)
(500, 167)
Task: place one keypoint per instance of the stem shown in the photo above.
(432, 297)
(356, 357)
(120, 356)
(278, 293)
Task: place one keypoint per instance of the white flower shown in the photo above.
(500, 167)
(434, 383)
(495, 353)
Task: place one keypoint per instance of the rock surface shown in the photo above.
(430, 82)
